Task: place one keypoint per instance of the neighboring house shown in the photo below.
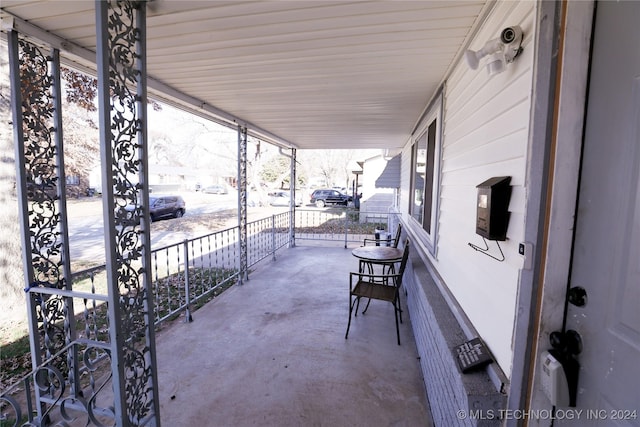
(380, 181)
(169, 178)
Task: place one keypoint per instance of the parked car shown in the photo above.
(159, 207)
(215, 189)
(281, 198)
(166, 206)
(326, 196)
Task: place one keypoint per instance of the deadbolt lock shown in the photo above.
(577, 296)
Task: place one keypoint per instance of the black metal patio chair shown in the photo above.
(384, 287)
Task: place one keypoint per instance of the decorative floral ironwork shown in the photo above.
(40, 154)
(127, 166)
(56, 382)
(59, 407)
(242, 185)
(41, 158)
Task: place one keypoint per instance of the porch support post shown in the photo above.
(37, 129)
(292, 199)
(242, 202)
(121, 60)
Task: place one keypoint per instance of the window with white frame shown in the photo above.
(425, 173)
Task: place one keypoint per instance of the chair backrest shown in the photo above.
(403, 263)
(396, 240)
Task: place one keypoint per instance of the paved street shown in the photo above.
(205, 213)
(86, 228)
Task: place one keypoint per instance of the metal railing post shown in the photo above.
(346, 227)
(273, 236)
(27, 390)
(187, 295)
(293, 180)
(292, 228)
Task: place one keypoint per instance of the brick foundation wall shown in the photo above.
(437, 332)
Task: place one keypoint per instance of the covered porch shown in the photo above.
(272, 352)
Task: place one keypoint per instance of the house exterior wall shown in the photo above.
(485, 133)
(486, 126)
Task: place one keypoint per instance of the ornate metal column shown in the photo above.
(62, 397)
(35, 90)
(121, 58)
(292, 199)
(242, 200)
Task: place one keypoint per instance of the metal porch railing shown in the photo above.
(185, 275)
(340, 224)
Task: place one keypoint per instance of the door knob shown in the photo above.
(573, 341)
(566, 343)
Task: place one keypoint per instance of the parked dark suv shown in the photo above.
(325, 196)
(159, 207)
(166, 206)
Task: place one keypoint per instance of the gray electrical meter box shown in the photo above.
(493, 208)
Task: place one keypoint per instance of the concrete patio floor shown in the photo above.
(272, 352)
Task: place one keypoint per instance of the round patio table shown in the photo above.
(381, 255)
(378, 254)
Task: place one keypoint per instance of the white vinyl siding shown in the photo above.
(485, 134)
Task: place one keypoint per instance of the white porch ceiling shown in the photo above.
(317, 74)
